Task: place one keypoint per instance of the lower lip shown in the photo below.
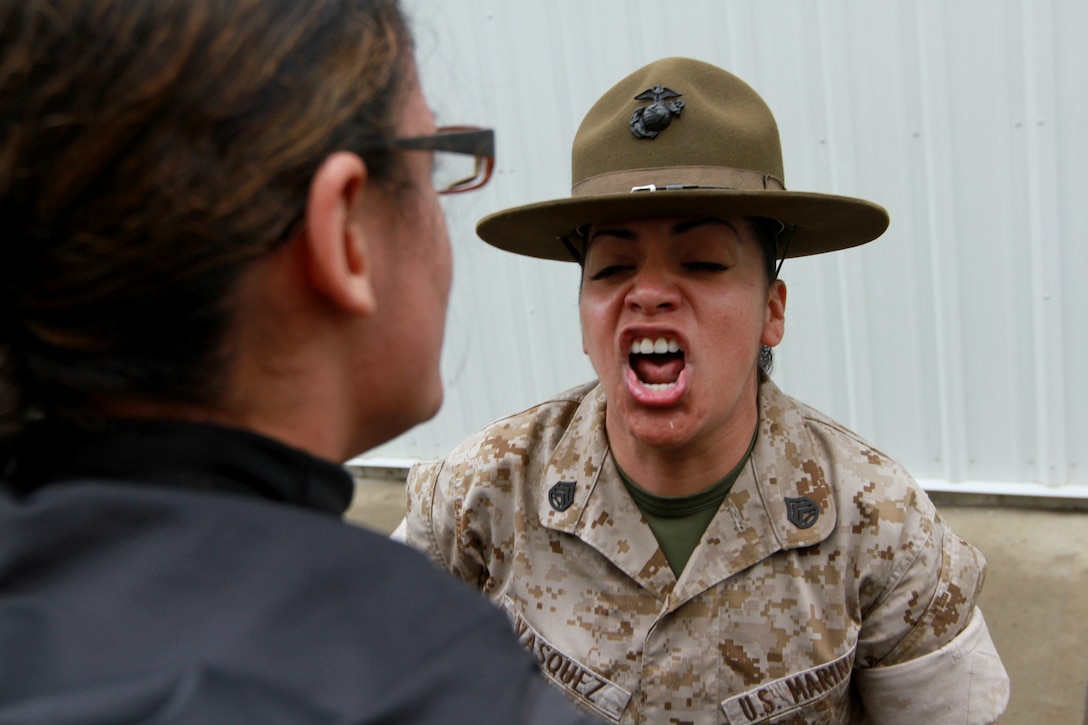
(661, 398)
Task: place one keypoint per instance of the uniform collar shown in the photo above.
(601, 513)
(787, 464)
(781, 500)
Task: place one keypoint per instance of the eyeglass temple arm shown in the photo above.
(474, 143)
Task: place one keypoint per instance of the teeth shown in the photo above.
(658, 387)
(646, 346)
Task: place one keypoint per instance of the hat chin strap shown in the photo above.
(676, 177)
(782, 249)
(578, 256)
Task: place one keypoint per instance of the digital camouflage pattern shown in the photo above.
(827, 589)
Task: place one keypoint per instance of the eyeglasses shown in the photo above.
(464, 160)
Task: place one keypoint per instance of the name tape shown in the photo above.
(578, 680)
(789, 693)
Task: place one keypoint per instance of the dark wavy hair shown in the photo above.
(149, 151)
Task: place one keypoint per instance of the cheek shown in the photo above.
(429, 238)
(594, 318)
(442, 237)
(583, 318)
(742, 319)
(444, 255)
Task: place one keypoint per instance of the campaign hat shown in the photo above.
(676, 138)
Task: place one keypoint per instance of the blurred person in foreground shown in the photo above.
(224, 271)
(681, 542)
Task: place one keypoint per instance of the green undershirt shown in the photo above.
(679, 522)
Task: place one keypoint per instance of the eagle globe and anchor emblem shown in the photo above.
(648, 121)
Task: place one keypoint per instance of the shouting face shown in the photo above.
(674, 314)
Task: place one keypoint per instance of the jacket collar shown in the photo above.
(180, 455)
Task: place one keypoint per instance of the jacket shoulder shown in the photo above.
(509, 448)
(857, 462)
(528, 433)
(869, 497)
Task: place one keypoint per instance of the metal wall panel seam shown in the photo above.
(947, 315)
(1049, 365)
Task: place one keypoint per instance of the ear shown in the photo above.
(774, 323)
(338, 251)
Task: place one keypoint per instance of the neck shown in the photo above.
(687, 469)
(292, 429)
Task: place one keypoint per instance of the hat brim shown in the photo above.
(821, 222)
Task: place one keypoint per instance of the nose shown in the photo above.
(652, 291)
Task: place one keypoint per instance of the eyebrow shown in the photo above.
(618, 232)
(677, 229)
(689, 224)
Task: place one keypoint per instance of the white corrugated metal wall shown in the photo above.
(955, 342)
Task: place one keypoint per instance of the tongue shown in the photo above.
(657, 369)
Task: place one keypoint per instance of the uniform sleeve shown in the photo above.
(962, 682)
(924, 654)
(433, 522)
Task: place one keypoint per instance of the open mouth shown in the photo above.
(657, 362)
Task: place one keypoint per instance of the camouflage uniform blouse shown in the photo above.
(827, 588)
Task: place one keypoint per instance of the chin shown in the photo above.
(414, 408)
(660, 431)
(662, 442)
(422, 404)
(435, 406)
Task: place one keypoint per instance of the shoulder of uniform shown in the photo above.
(836, 442)
(873, 494)
(859, 462)
(559, 404)
(576, 394)
(519, 438)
